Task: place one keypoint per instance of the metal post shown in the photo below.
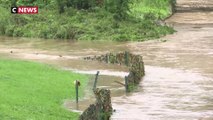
(76, 89)
(96, 79)
(126, 84)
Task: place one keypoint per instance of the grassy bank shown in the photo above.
(32, 91)
(157, 8)
(92, 24)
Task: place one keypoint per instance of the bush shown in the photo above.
(9, 30)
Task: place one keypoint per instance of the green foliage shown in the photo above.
(3, 20)
(122, 7)
(6, 3)
(78, 4)
(158, 8)
(32, 91)
(115, 20)
(119, 8)
(40, 3)
(81, 4)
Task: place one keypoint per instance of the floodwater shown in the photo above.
(178, 84)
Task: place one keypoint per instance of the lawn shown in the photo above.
(33, 91)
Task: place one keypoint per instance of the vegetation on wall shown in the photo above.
(120, 20)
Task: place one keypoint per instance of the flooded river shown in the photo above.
(178, 84)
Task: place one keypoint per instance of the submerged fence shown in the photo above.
(102, 108)
(134, 62)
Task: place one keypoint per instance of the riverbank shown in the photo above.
(141, 24)
(30, 90)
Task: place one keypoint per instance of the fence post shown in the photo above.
(126, 58)
(76, 90)
(96, 79)
(126, 84)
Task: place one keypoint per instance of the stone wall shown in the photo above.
(102, 109)
(136, 72)
(134, 62)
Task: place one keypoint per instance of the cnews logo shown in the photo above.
(24, 10)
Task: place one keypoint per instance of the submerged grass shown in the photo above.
(33, 91)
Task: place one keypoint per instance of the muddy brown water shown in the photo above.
(178, 84)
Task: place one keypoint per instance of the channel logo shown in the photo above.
(24, 10)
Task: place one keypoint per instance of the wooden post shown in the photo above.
(120, 83)
(126, 58)
(96, 79)
(126, 84)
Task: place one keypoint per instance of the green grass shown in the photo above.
(33, 91)
(158, 8)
